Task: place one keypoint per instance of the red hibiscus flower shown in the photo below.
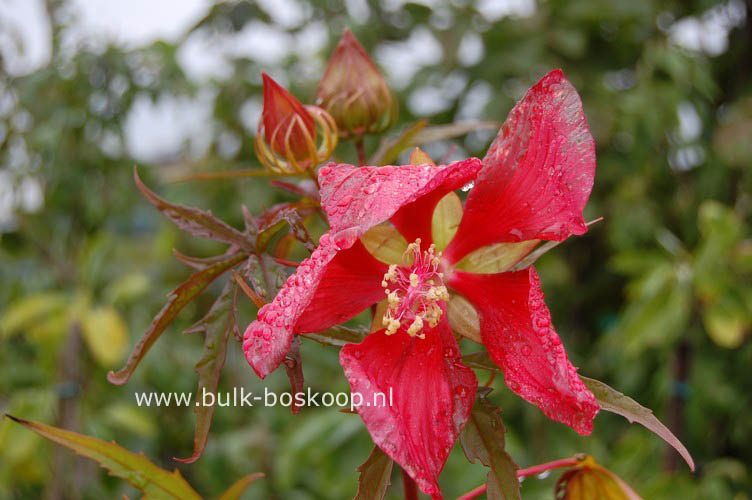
(532, 185)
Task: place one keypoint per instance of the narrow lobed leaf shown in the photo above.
(216, 326)
(178, 299)
(277, 222)
(155, 482)
(195, 221)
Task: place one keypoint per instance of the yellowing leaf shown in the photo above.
(496, 258)
(50, 328)
(25, 312)
(125, 415)
(377, 323)
(105, 335)
(385, 243)
(589, 479)
(726, 322)
(128, 287)
(446, 219)
(463, 318)
(155, 482)
(239, 486)
(420, 157)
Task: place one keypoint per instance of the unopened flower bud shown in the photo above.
(588, 479)
(286, 140)
(354, 92)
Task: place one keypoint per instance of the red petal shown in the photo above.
(432, 396)
(537, 174)
(357, 198)
(280, 107)
(267, 340)
(350, 284)
(515, 326)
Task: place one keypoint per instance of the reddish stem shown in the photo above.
(361, 152)
(530, 471)
(409, 486)
(473, 493)
(285, 262)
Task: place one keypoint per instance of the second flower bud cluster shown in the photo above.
(352, 100)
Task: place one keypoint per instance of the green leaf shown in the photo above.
(483, 439)
(239, 486)
(216, 326)
(153, 481)
(179, 298)
(338, 336)
(375, 476)
(614, 401)
(197, 222)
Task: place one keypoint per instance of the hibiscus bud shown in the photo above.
(287, 133)
(588, 479)
(354, 92)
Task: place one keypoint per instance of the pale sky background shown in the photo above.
(155, 131)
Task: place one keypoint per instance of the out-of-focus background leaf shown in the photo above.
(656, 300)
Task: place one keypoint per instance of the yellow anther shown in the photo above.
(415, 327)
(393, 299)
(413, 280)
(432, 315)
(391, 325)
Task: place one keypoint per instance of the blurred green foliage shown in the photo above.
(656, 300)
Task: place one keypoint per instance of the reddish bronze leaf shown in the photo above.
(194, 221)
(179, 297)
(216, 326)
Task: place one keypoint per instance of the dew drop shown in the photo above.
(526, 350)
